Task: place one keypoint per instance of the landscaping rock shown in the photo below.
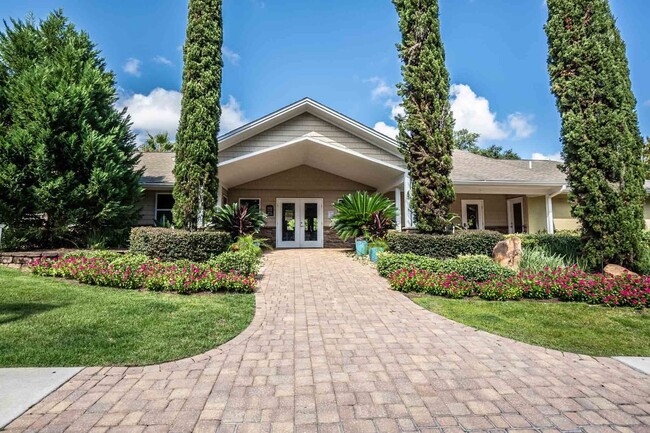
(617, 271)
(507, 253)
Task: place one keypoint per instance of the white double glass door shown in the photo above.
(299, 223)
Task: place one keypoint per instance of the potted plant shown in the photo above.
(361, 245)
(355, 214)
(375, 247)
(379, 225)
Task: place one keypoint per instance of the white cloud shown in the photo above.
(521, 125)
(163, 60)
(381, 89)
(388, 130)
(157, 112)
(396, 109)
(472, 112)
(230, 55)
(557, 156)
(132, 67)
(232, 116)
(160, 111)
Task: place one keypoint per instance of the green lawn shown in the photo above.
(49, 322)
(572, 327)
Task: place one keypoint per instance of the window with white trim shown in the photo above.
(250, 202)
(164, 205)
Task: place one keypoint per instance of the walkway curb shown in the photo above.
(22, 388)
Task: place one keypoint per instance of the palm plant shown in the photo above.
(239, 220)
(356, 212)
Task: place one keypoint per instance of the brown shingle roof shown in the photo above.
(468, 168)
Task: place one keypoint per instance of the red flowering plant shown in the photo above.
(139, 272)
(565, 284)
(500, 290)
(417, 280)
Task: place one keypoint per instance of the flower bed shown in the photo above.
(139, 272)
(565, 284)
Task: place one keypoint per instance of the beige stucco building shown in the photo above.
(296, 162)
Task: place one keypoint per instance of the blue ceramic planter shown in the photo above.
(362, 247)
(373, 253)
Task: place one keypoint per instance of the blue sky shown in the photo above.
(342, 53)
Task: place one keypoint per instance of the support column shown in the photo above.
(220, 196)
(550, 227)
(398, 205)
(408, 216)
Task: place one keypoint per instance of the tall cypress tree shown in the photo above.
(197, 181)
(602, 145)
(426, 133)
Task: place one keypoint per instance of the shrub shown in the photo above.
(138, 272)
(432, 283)
(445, 246)
(250, 244)
(239, 220)
(537, 259)
(170, 244)
(565, 284)
(101, 254)
(498, 290)
(243, 262)
(355, 213)
(389, 263)
(475, 268)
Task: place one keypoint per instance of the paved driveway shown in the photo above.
(331, 349)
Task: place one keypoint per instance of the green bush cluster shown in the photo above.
(243, 262)
(480, 242)
(475, 268)
(472, 268)
(171, 244)
(388, 263)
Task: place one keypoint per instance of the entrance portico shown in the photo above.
(296, 184)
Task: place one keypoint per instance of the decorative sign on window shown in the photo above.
(269, 209)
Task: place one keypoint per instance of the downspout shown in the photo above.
(550, 227)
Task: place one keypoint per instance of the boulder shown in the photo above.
(507, 253)
(617, 271)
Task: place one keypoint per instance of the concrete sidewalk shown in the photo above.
(21, 388)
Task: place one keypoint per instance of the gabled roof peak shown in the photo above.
(315, 108)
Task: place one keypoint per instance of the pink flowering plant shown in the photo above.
(565, 284)
(139, 272)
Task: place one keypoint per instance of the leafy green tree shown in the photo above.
(426, 131)
(646, 157)
(157, 143)
(465, 140)
(602, 145)
(67, 156)
(197, 181)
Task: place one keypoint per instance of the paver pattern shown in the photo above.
(332, 349)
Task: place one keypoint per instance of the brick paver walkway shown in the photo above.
(332, 349)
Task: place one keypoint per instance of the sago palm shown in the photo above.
(355, 212)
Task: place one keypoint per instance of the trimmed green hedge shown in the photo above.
(242, 262)
(445, 246)
(477, 268)
(171, 244)
(388, 263)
